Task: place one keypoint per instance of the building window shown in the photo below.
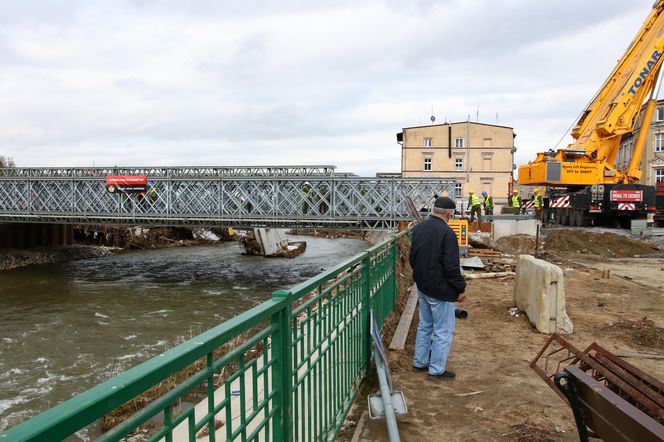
(427, 164)
(458, 164)
(428, 142)
(458, 142)
(659, 142)
(458, 189)
(486, 162)
(659, 175)
(660, 114)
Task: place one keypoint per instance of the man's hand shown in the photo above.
(462, 297)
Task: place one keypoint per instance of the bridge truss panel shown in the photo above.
(248, 201)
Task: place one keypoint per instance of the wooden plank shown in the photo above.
(401, 333)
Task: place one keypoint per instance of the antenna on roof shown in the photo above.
(433, 119)
(477, 118)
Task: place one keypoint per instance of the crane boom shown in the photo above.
(613, 112)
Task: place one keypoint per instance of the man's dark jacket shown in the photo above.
(434, 256)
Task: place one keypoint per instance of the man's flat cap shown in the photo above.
(444, 202)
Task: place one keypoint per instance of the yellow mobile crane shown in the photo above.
(584, 185)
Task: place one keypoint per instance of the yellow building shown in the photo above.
(478, 156)
(652, 161)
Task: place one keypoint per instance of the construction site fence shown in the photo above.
(287, 369)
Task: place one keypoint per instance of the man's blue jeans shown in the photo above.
(434, 334)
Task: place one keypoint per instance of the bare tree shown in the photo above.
(6, 161)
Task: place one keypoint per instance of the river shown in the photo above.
(67, 327)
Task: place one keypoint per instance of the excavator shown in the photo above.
(584, 186)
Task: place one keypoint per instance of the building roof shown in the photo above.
(458, 122)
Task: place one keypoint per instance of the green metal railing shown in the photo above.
(293, 375)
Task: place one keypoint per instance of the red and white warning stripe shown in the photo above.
(561, 202)
(626, 206)
(528, 204)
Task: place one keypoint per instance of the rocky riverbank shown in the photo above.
(12, 258)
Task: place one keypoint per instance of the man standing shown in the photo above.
(434, 256)
(538, 204)
(474, 205)
(516, 200)
(488, 204)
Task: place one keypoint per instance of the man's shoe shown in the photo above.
(444, 376)
(420, 369)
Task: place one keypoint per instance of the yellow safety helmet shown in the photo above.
(515, 191)
(536, 190)
(471, 191)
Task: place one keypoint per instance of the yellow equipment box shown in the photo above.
(460, 227)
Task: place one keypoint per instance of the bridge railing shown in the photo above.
(293, 376)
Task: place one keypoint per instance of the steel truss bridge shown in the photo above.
(256, 196)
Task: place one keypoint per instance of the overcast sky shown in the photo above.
(174, 82)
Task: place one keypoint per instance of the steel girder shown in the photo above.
(249, 201)
(169, 172)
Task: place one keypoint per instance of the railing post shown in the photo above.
(282, 371)
(395, 276)
(366, 307)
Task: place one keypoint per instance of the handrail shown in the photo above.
(323, 342)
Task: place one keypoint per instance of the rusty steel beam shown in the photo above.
(640, 410)
(611, 417)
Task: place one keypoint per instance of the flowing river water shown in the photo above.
(66, 327)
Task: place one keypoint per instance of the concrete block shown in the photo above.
(539, 291)
(509, 227)
(526, 227)
(502, 228)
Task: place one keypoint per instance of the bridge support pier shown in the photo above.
(26, 236)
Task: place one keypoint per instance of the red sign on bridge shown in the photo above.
(126, 183)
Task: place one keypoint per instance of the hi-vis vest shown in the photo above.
(538, 201)
(475, 200)
(515, 201)
(488, 202)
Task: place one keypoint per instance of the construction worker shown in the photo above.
(516, 200)
(488, 203)
(474, 206)
(538, 204)
(152, 193)
(306, 197)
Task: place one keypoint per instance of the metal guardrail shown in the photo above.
(294, 377)
(183, 197)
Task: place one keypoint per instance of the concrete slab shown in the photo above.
(401, 333)
(270, 240)
(472, 263)
(509, 227)
(539, 291)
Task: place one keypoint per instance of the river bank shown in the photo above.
(101, 241)
(13, 258)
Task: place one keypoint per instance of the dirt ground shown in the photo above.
(492, 349)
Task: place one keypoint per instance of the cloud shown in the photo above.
(292, 82)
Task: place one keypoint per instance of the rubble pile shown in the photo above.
(605, 244)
